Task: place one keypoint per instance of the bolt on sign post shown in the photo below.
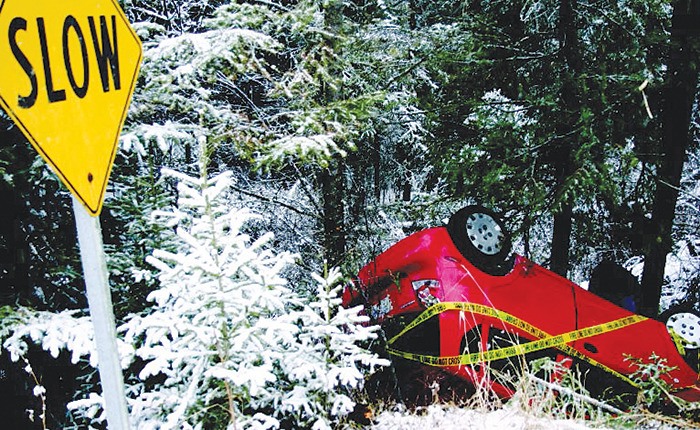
(67, 76)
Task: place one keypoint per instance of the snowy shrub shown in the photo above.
(226, 343)
(54, 332)
(210, 339)
(326, 367)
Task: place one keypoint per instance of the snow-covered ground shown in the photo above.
(450, 417)
(456, 418)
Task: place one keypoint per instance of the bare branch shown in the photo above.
(276, 202)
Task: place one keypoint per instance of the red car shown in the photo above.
(454, 298)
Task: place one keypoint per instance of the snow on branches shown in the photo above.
(226, 343)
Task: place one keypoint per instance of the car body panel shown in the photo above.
(426, 268)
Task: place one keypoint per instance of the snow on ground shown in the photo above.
(456, 418)
(442, 417)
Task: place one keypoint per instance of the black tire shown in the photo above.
(683, 323)
(481, 237)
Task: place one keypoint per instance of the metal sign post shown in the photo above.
(100, 302)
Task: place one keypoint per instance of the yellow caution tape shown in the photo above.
(678, 340)
(544, 340)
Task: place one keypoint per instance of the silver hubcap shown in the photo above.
(687, 326)
(485, 233)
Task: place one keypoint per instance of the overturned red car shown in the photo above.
(455, 298)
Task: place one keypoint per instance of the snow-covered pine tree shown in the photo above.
(227, 343)
(210, 343)
(331, 361)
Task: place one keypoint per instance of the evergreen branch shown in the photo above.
(276, 202)
(228, 83)
(307, 190)
(526, 55)
(273, 5)
(608, 17)
(408, 70)
(148, 12)
(679, 189)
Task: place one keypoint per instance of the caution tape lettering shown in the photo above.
(543, 339)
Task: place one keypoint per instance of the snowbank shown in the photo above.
(456, 418)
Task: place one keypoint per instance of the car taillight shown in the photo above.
(426, 291)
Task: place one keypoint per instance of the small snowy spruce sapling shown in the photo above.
(211, 342)
(330, 361)
(227, 344)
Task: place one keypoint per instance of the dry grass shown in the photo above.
(539, 402)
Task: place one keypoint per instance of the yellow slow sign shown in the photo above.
(68, 73)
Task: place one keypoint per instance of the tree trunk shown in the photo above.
(561, 240)
(571, 106)
(333, 190)
(332, 178)
(377, 166)
(680, 91)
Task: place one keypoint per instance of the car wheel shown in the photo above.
(683, 323)
(481, 237)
